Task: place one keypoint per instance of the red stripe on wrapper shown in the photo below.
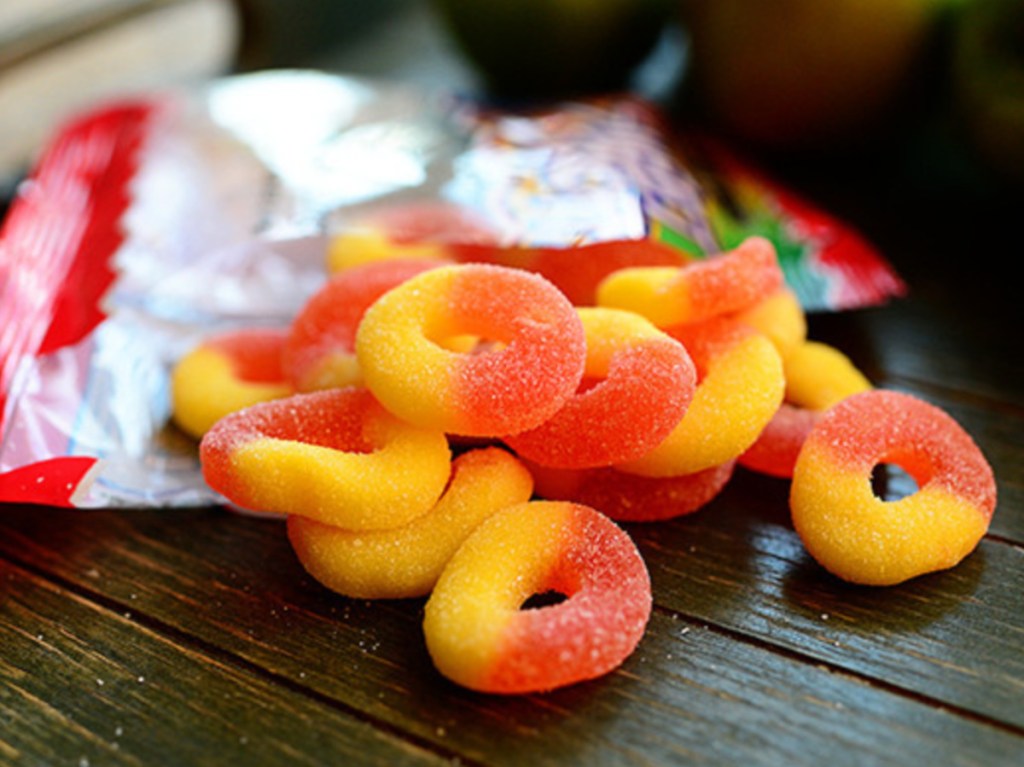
(56, 482)
(56, 247)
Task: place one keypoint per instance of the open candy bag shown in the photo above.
(151, 222)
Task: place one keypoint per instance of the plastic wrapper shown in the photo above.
(149, 223)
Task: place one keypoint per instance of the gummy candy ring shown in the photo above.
(335, 456)
(717, 285)
(576, 270)
(740, 387)
(224, 373)
(817, 377)
(630, 497)
(320, 349)
(533, 369)
(637, 383)
(406, 561)
(415, 230)
(780, 317)
(775, 450)
(863, 539)
(480, 635)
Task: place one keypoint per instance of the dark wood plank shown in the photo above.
(694, 692)
(82, 685)
(955, 637)
(947, 351)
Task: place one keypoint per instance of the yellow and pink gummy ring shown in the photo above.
(336, 456)
(533, 363)
(480, 636)
(637, 384)
(406, 561)
(226, 372)
(862, 538)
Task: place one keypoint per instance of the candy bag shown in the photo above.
(153, 221)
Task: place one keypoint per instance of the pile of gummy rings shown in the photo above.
(471, 424)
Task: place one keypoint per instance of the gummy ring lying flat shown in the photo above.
(335, 456)
(630, 497)
(406, 561)
(534, 370)
(320, 350)
(817, 377)
(722, 284)
(638, 382)
(740, 387)
(479, 637)
(776, 449)
(780, 317)
(225, 373)
(864, 539)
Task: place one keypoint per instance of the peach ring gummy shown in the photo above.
(817, 377)
(740, 387)
(406, 561)
(224, 373)
(629, 497)
(637, 383)
(576, 270)
(864, 539)
(776, 449)
(780, 317)
(480, 630)
(534, 368)
(335, 456)
(721, 284)
(320, 349)
(406, 231)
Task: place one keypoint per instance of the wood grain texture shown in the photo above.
(717, 669)
(83, 684)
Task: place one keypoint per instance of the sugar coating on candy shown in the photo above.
(533, 366)
(406, 561)
(479, 637)
(721, 284)
(336, 456)
(637, 384)
(367, 246)
(407, 231)
(780, 317)
(576, 270)
(320, 349)
(629, 497)
(740, 387)
(227, 372)
(817, 377)
(776, 449)
(864, 539)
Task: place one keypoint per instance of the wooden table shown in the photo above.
(193, 637)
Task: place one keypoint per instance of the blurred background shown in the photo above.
(850, 99)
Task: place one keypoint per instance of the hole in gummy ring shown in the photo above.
(548, 598)
(891, 482)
